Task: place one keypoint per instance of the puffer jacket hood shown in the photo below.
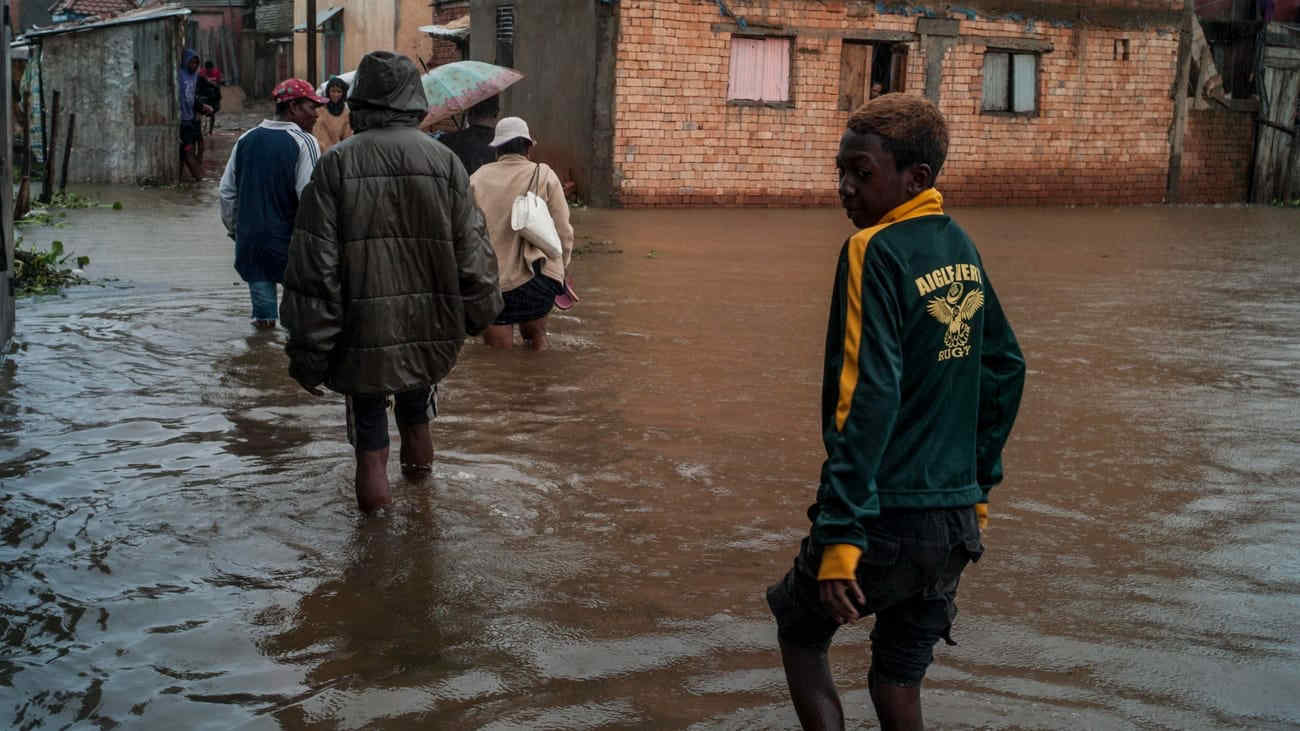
(386, 80)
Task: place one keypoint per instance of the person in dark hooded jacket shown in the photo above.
(390, 268)
(187, 84)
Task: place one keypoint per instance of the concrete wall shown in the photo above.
(556, 50)
(1101, 133)
(121, 82)
(368, 25)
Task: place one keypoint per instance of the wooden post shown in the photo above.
(6, 184)
(1291, 184)
(47, 185)
(40, 80)
(1181, 79)
(67, 152)
(311, 42)
(23, 199)
(27, 134)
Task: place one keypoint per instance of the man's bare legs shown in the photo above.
(192, 164)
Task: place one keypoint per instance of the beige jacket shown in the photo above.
(331, 130)
(495, 187)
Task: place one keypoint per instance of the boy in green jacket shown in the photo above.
(922, 381)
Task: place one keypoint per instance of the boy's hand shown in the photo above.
(982, 515)
(839, 595)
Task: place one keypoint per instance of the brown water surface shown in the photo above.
(180, 546)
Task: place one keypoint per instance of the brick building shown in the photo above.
(742, 102)
(451, 42)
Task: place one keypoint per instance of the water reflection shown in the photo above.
(179, 544)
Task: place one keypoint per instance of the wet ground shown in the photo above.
(180, 547)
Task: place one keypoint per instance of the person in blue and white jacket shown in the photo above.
(264, 178)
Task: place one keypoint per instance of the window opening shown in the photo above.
(868, 70)
(1010, 82)
(505, 35)
(760, 69)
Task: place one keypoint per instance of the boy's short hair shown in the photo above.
(909, 126)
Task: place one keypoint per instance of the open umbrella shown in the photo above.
(455, 87)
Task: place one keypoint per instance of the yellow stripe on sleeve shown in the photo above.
(852, 323)
(839, 561)
(927, 203)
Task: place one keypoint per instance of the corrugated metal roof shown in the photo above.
(458, 28)
(135, 16)
(322, 16)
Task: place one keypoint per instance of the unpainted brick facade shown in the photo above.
(1100, 134)
(445, 51)
(1216, 158)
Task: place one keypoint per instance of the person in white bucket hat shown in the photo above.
(510, 129)
(530, 281)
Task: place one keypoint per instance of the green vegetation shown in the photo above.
(45, 272)
(73, 200)
(42, 217)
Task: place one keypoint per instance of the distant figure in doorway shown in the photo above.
(265, 175)
(208, 96)
(187, 82)
(530, 281)
(473, 145)
(335, 122)
(877, 89)
(211, 72)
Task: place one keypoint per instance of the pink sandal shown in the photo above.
(568, 298)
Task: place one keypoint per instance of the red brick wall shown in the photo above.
(1102, 133)
(1101, 136)
(446, 51)
(1216, 156)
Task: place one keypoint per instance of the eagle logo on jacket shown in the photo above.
(953, 310)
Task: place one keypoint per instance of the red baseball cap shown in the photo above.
(291, 89)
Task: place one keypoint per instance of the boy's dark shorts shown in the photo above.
(908, 575)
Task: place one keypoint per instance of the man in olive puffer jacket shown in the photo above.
(390, 268)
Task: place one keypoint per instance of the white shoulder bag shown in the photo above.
(532, 219)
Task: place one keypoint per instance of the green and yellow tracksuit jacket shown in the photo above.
(922, 382)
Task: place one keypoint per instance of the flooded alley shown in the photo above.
(181, 548)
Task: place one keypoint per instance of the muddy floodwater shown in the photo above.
(181, 550)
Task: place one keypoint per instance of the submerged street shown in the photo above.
(181, 548)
